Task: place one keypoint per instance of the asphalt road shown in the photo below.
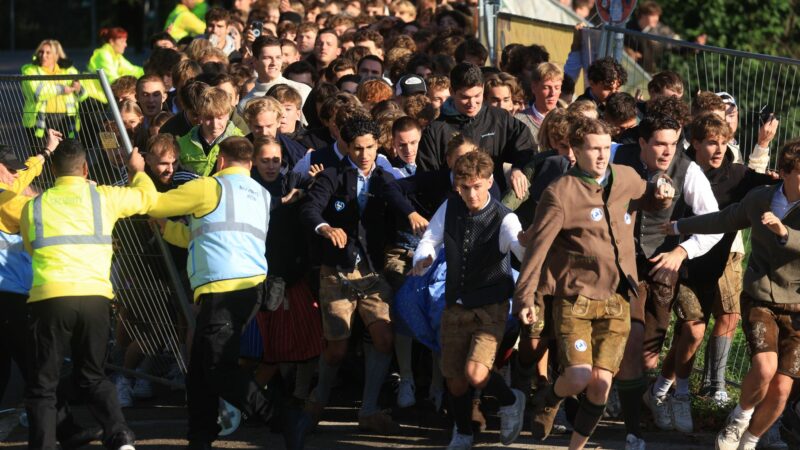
(161, 425)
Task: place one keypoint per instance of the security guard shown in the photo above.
(67, 231)
(228, 222)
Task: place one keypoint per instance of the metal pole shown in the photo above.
(491, 8)
(182, 300)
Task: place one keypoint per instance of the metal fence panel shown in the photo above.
(150, 305)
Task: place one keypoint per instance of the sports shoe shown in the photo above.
(511, 418)
(660, 409)
(460, 441)
(721, 398)
(143, 389)
(634, 443)
(124, 391)
(772, 439)
(379, 422)
(681, 408)
(613, 406)
(730, 435)
(561, 424)
(121, 440)
(405, 393)
(543, 415)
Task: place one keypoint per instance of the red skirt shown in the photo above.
(293, 332)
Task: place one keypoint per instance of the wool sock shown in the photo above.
(377, 365)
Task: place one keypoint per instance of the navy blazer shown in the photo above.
(332, 199)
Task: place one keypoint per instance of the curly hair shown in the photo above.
(358, 126)
(607, 71)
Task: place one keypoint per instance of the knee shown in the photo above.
(696, 331)
(577, 378)
(764, 369)
(477, 376)
(782, 388)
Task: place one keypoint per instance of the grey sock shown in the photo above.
(718, 349)
(327, 376)
(377, 365)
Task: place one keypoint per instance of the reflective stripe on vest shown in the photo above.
(230, 223)
(98, 237)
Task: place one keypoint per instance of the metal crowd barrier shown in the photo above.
(151, 306)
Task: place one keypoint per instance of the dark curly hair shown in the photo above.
(358, 126)
(607, 71)
(655, 122)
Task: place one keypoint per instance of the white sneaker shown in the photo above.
(228, 418)
(659, 406)
(511, 418)
(143, 389)
(634, 443)
(772, 439)
(730, 435)
(721, 398)
(681, 408)
(127, 447)
(460, 441)
(405, 393)
(124, 391)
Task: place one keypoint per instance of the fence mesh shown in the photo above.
(758, 82)
(151, 321)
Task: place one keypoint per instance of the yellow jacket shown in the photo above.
(47, 97)
(182, 22)
(11, 199)
(71, 255)
(198, 197)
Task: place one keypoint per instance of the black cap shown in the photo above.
(9, 159)
(410, 85)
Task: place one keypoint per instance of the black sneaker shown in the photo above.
(122, 440)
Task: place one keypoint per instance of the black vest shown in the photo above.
(478, 273)
(650, 240)
(325, 156)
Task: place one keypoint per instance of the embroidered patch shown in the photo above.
(627, 219)
(580, 345)
(338, 206)
(597, 214)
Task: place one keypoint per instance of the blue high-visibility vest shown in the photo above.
(16, 269)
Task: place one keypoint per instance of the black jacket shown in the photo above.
(730, 183)
(332, 199)
(504, 138)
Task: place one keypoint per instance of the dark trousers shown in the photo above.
(214, 370)
(83, 324)
(13, 335)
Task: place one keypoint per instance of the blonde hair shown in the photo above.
(403, 6)
(556, 126)
(584, 108)
(214, 102)
(54, 45)
(262, 104)
(547, 71)
(130, 106)
(196, 48)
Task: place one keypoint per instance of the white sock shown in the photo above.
(742, 415)
(681, 386)
(748, 438)
(661, 386)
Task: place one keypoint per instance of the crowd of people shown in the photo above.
(339, 177)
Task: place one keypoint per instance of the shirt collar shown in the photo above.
(358, 171)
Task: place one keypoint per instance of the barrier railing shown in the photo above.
(151, 305)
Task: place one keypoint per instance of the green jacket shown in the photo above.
(192, 154)
(38, 94)
(114, 65)
(182, 22)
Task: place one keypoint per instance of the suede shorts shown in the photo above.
(698, 301)
(653, 308)
(342, 294)
(771, 327)
(543, 326)
(592, 332)
(471, 335)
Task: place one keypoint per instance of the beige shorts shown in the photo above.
(471, 335)
(341, 294)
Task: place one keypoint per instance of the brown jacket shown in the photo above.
(773, 269)
(582, 243)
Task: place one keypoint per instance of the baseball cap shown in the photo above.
(727, 98)
(410, 85)
(9, 159)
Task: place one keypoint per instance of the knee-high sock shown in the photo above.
(327, 376)
(718, 349)
(498, 388)
(402, 348)
(377, 365)
(461, 410)
(630, 399)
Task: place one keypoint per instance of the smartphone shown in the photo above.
(257, 26)
(765, 113)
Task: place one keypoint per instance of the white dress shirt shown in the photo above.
(698, 195)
